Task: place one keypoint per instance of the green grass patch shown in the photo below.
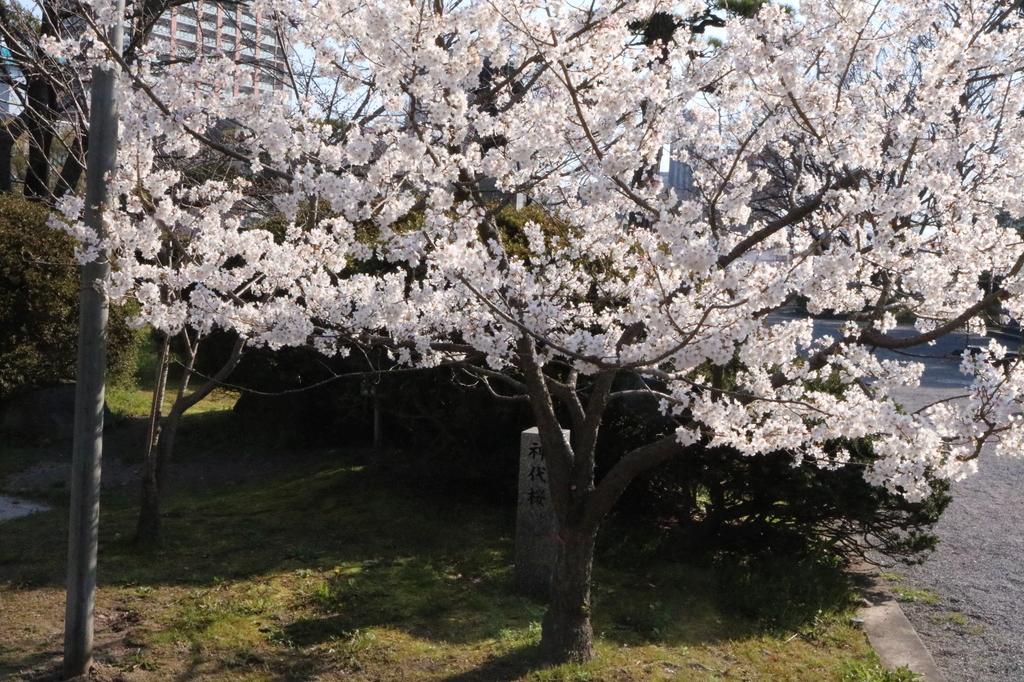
(873, 671)
(915, 595)
(129, 401)
(905, 592)
(349, 573)
(957, 621)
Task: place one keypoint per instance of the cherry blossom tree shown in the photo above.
(860, 155)
(47, 99)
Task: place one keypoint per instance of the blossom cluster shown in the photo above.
(860, 157)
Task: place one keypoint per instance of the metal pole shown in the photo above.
(89, 389)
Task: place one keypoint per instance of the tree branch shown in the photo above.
(615, 482)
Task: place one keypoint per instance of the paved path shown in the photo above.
(975, 628)
(975, 631)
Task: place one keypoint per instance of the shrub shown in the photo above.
(721, 499)
(39, 304)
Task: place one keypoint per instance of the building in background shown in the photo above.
(229, 29)
(679, 177)
(10, 78)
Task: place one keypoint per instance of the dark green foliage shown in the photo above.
(436, 422)
(781, 592)
(743, 8)
(39, 304)
(768, 502)
(741, 505)
(455, 434)
(298, 397)
(511, 223)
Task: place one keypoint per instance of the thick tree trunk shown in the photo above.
(580, 506)
(566, 633)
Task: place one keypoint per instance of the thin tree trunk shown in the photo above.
(169, 432)
(40, 137)
(566, 633)
(149, 527)
(10, 130)
(40, 104)
(6, 160)
(147, 530)
(378, 426)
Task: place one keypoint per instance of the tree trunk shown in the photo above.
(71, 171)
(566, 633)
(149, 530)
(378, 418)
(87, 451)
(40, 137)
(6, 160)
(40, 104)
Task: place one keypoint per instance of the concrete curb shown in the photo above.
(889, 632)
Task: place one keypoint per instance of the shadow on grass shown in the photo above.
(328, 557)
(509, 666)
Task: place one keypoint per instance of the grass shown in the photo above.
(131, 397)
(339, 570)
(345, 573)
(915, 595)
(872, 671)
(127, 401)
(905, 592)
(958, 621)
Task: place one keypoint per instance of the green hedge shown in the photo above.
(39, 304)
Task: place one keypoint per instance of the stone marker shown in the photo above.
(536, 544)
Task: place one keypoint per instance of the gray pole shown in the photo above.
(89, 390)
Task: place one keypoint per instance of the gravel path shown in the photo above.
(975, 628)
(967, 598)
(13, 507)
